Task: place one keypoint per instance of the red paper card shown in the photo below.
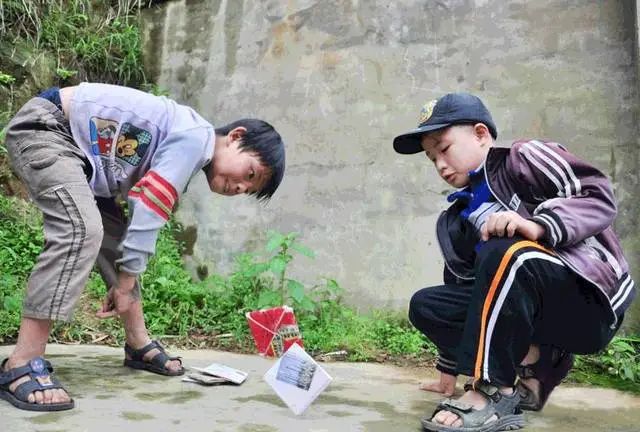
(274, 330)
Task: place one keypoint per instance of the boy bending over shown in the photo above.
(77, 149)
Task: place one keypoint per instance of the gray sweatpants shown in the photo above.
(43, 154)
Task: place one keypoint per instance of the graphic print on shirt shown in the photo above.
(132, 143)
(103, 134)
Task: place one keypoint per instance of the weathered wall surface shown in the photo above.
(339, 78)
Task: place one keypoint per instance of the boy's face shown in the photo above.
(456, 150)
(233, 171)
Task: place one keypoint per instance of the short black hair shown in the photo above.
(262, 139)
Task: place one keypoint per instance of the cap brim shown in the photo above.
(409, 143)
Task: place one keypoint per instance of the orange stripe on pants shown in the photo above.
(497, 278)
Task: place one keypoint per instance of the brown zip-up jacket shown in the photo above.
(571, 199)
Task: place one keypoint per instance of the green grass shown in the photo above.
(177, 306)
(617, 366)
(20, 242)
(94, 41)
(212, 312)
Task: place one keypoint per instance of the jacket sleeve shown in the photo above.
(152, 199)
(577, 200)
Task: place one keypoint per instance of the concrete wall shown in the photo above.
(339, 78)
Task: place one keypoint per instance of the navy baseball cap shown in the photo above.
(450, 109)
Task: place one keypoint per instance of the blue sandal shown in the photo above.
(39, 370)
(155, 364)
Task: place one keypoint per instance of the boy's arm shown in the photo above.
(578, 200)
(152, 199)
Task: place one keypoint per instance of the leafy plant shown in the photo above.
(3, 149)
(65, 74)
(6, 79)
(20, 243)
(98, 40)
(154, 89)
(84, 39)
(620, 360)
(286, 288)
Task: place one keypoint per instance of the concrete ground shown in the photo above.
(362, 397)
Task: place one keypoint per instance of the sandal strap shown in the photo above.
(160, 359)
(39, 372)
(489, 391)
(502, 404)
(138, 354)
(468, 385)
(468, 415)
(526, 371)
(36, 365)
(528, 397)
(552, 367)
(41, 383)
(454, 406)
(551, 358)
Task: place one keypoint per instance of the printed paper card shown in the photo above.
(297, 379)
(219, 370)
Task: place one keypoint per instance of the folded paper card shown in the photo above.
(207, 380)
(219, 370)
(297, 379)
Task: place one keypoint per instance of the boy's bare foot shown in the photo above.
(54, 396)
(446, 386)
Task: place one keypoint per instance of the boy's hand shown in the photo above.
(119, 298)
(507, 223)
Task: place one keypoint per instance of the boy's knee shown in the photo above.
(412, 311)
(420, 309)
(417, 302)
(86, 227)
(492, 251)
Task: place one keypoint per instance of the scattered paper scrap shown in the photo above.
(221, 371)
(274, 330)
(207, 380)
(297, 379)
(335, 355)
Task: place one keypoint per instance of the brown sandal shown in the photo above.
(552, 367)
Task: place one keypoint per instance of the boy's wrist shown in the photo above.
(126, 281)
(539, 229)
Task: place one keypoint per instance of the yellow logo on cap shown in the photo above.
(427, 110)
